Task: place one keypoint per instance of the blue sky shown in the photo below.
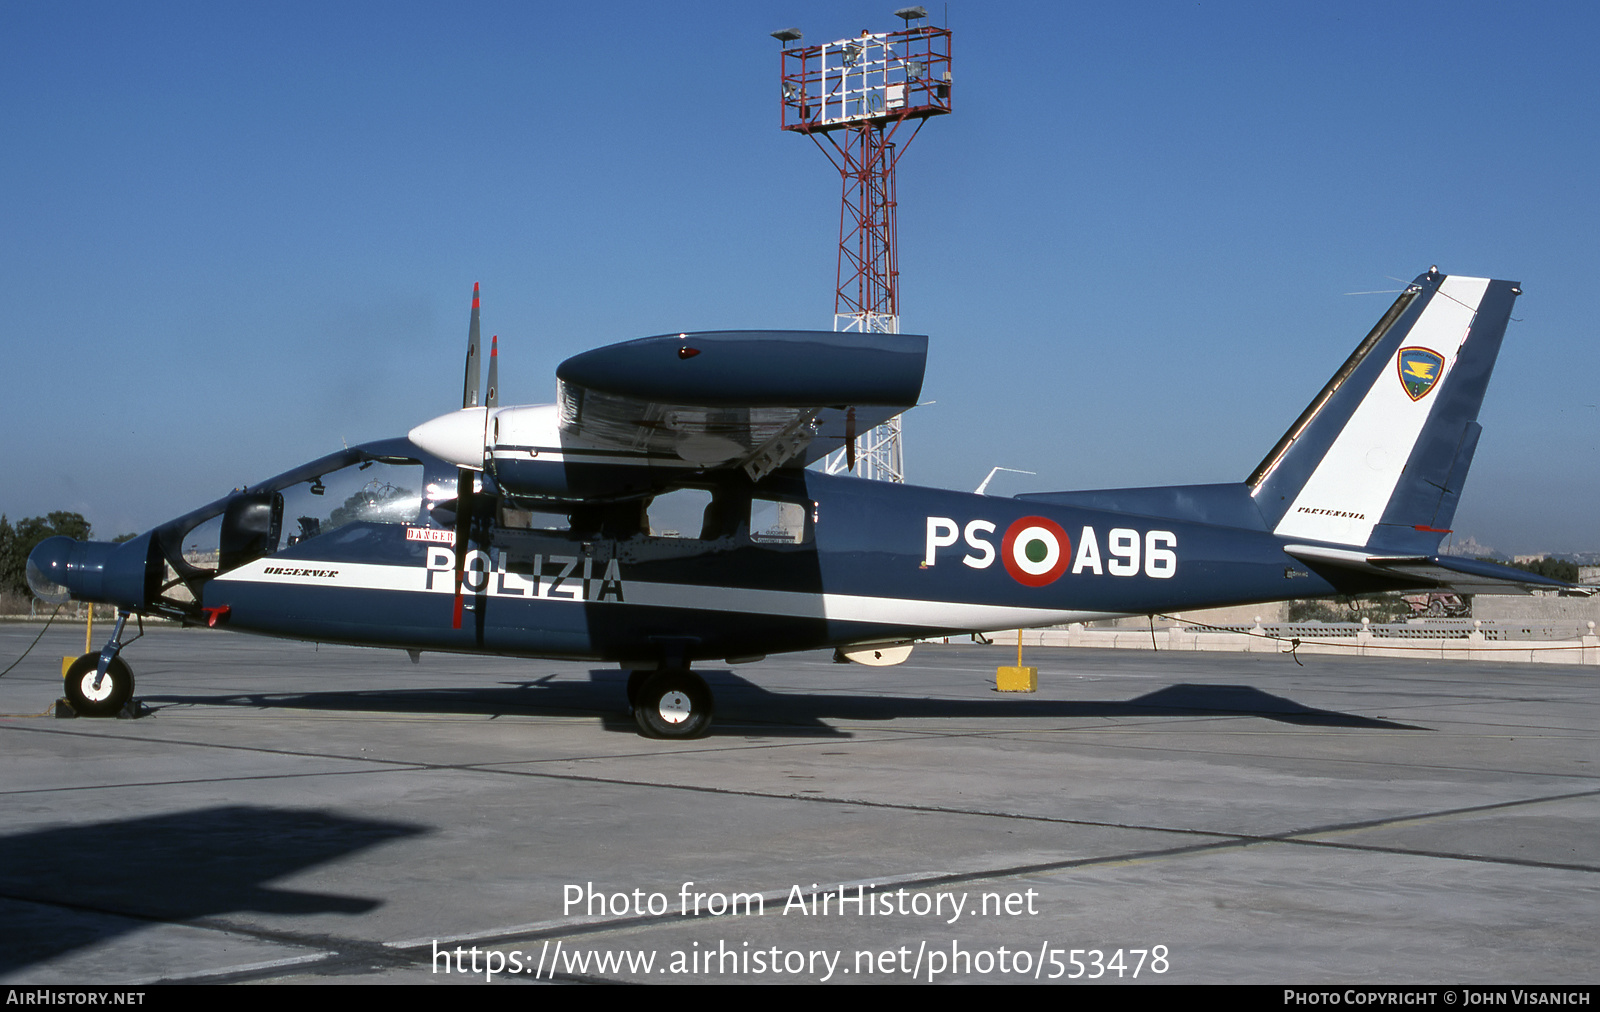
(237, 234)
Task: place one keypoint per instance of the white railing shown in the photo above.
(1561, 643)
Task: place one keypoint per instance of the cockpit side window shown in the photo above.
(288, 510)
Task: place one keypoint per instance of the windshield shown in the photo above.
(372, 491)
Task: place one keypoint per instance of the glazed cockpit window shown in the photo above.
(370, 492)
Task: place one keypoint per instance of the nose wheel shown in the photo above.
(112, 694)
(673, 703)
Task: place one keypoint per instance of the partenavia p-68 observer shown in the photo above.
(661, 514)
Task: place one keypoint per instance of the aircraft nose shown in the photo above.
(126, 574)
(456, 437)
(47, 569)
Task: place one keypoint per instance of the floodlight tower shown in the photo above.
(851, 97)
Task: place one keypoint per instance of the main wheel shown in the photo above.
(116, 688)
(673, 704)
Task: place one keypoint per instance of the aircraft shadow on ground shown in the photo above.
(742, 705)
(76, 886)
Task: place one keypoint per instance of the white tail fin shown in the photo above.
(1380, 456)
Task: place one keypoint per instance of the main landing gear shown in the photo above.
(670, 703)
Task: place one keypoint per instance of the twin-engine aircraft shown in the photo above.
(661, 514)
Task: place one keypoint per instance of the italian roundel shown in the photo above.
(1036, 551)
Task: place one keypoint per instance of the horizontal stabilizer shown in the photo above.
(1464, 576)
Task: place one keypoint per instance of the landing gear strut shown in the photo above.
(100, 685)
(671, 703)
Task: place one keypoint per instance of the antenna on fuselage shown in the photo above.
(993, 471)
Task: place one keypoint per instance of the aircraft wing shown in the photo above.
(641, 416)
(1464, 576)
(717, 398)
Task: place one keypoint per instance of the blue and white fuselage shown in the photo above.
(661, 514)
(871, 563)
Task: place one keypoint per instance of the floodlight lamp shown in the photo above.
(852, 53)
(909, 14)
(789, 91)
(914, 70)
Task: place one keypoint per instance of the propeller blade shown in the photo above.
(469, 386)
(493, 398)
(850, 440)
(464, 477)
(464, 507)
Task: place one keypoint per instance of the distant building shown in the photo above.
(1468, 547)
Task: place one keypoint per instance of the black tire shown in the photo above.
(115, 689)
(673, 704)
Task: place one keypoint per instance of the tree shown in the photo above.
(8, 548)
(17, 542)
(1553, 568)
(1384, 606)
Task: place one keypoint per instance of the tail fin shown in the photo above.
(1379, 457)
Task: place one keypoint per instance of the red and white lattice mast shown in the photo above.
(851, 97)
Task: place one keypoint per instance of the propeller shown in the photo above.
(464, 476)
(850, 440)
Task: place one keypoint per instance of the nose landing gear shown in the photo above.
(92, 695)
(101, 685)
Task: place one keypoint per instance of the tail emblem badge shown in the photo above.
(1420, 370)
